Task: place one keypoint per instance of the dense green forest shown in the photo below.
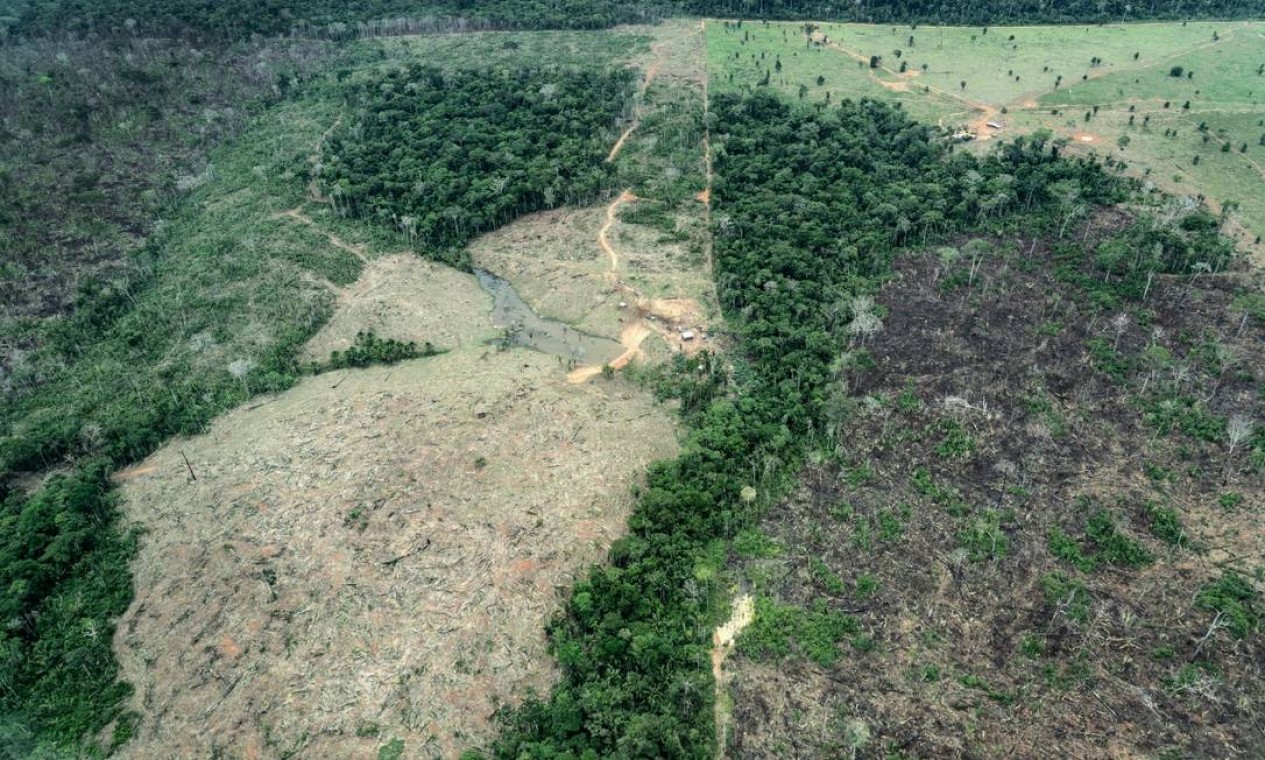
(234, 19)
(445, 157)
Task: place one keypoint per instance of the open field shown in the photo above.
(1010, 76)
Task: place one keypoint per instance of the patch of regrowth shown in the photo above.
(1068, 595)
(1236, 601)
(1166, 525)
(755, 544)
(1102, 544)
(784, 630)
(982, 537)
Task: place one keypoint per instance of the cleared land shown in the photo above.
(1034, 553)
(1025, 79)
(372, 555)
(391, 538)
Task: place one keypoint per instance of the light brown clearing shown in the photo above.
(378, 547)
(586, 268)
(405, 297)
(723, 639)
(663, 316)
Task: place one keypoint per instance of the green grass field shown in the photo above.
(1029, 78)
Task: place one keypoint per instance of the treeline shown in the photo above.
(445, 156)
(235, 19)
(810, 208)
(64, 577)
(976, 12)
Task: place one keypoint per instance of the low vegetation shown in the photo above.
(1091, 505)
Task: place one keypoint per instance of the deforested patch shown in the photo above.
(373, 555)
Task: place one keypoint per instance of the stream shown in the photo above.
(526, 328)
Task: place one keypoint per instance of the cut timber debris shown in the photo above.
(385, 553)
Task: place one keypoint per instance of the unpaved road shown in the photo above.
(723, 639)
(646, 316)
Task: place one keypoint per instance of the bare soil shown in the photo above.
(965, 656)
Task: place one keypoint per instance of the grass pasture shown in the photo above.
(1045, 77)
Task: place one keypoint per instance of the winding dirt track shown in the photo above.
(648, 316)
(652, 70)
(636, 331)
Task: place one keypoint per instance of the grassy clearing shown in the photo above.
(1013, 82)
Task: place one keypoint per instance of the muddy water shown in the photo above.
(525, 328)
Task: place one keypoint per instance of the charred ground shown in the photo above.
(1035, 530)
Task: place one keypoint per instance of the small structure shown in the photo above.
(687, 335)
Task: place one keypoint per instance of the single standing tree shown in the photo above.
(1238, 429)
